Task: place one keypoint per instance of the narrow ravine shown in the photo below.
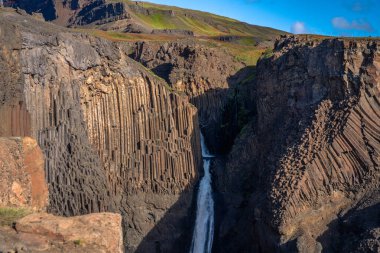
(204, 224)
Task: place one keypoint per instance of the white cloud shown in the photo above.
(298, 28)
(359, 25)
(341, 23)
(360, 5)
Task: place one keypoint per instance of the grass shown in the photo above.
(158, 21)
(247, 41)
(9, 215)
(245, 52)
(78, 242)
(126, 37)
(201, 23)
(248, 56)
(162, 7)
(199, 27)
(267, 53)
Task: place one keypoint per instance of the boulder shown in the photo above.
(42, 232)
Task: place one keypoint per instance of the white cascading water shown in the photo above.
(204, 223)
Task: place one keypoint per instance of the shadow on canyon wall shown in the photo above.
(175, 226)
(163, 71)
(220, 125)
(173, 232)
(246, 185)
(223, 112)
(354, 226)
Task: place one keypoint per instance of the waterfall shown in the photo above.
(204, 224)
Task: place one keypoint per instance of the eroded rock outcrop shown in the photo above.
(22, 182)
(99, 12)
(73, 12)
(312, 151)
(41, 232)
(114, 136)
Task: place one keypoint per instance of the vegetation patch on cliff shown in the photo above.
(9, 215)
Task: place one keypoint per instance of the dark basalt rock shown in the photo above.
(114, 137)
(173, 32)
(209, 77)
(100, 12)
(46, 7)
(311, 153)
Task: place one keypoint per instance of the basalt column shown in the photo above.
(115, 138)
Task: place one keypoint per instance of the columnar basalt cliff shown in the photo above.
(206, 75)
(297, 138)
(24, 225)
(312, 151)
(115, 138)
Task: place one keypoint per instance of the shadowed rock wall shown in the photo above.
(206, 75)
(312, 152)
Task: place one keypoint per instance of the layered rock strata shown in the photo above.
(312, 151)
(114, 136)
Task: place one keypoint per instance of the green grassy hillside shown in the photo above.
(246, 42)
(201, 23)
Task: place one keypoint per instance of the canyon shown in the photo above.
(115, 126)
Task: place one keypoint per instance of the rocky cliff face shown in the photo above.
(23, 182)
(311, 153)
(208, 76)
(302, 174)
(45, 7)
(73, 12)
(41, 232)
(24, 225)
(100, 12)
(114, 137)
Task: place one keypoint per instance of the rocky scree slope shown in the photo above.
(303, 175)
(114, 137)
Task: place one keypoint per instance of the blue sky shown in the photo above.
(327, 17)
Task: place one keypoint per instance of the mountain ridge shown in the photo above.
(150, 15)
